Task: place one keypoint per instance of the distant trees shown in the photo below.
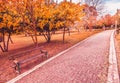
(108, 20)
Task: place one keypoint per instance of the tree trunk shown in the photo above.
(9, 36)
(68, 31)
(4, 44)
(64, 35)
(11, 39)
(1, 48)
(90, 28)
(36, 40)
(48, 37)
(35, 31)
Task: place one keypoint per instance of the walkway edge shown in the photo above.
(45, 62)
(113, 76)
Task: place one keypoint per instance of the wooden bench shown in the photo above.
(18, 63)
(20, 54)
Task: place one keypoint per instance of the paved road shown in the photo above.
(82, 64)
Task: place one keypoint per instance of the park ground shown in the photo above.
(117, 44)
(22, 43)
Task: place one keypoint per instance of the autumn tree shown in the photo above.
(7, 23)
(108, 20)
(47, 21)
(68, 14)
(28, 11)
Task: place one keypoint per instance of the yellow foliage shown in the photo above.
(31, 11)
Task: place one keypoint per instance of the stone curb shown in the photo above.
(113, 76)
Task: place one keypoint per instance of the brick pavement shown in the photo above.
(85, 63)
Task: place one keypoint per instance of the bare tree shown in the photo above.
(98, 4)
(64, 0)
(90, 16)
(48, 2)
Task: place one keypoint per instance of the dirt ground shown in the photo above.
(22, 43)
(117, 44)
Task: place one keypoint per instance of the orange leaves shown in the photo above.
(8, 14)
(70, 12)
(36, 11)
